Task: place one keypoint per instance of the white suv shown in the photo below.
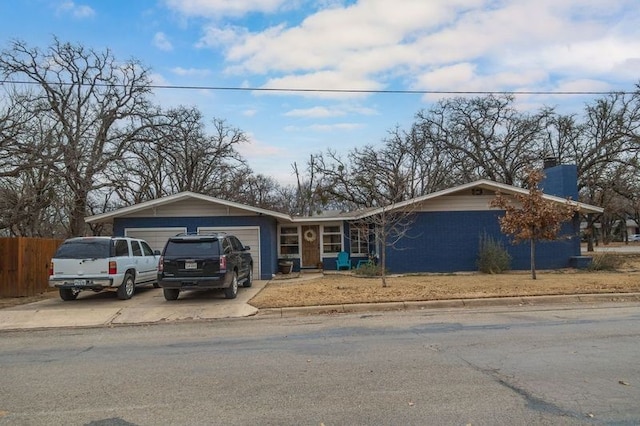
(103, 263)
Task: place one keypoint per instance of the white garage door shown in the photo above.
(248, 236)
(156, 237)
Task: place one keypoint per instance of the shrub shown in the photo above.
(493, 258)
(369, 270)
(605, 262)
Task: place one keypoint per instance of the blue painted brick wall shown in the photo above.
(449, 241)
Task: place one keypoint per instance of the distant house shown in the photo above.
(443, 237)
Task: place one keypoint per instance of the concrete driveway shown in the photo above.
(147, 306)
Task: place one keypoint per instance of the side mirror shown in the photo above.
(246, 248)
(156, 252)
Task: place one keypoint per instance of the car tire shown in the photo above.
(156, 285)
(127, 288)
(249, 281)
(171, 293)
(67, 294)
(232, 291)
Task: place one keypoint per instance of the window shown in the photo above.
(359, 241)
(146, 249)
(226, 246)
(289, 240)
(331, 239)
(122, 248)
(236, 244)
(193, 248)
(137, 251)
(85, 248)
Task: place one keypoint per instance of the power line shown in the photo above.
(370, 91)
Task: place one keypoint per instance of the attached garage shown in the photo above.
(248, 236)
(156, 237)
(157, 220)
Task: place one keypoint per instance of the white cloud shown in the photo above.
(454, 45)
(325, 127)
(315, 112)
(326, 80)
(219, 8)
(257, 149)
(77, 11)
(215, 36)
(191, 72)
(331, 111)
(161, 41)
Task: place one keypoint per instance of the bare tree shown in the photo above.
(485, 137)
(93, 104)
(388, 225)
(177, 153)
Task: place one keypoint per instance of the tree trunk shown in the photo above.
(383, 261)
(77, 225)
(533, 258)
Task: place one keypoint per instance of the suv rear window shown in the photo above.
(192, 248)
(88, 248)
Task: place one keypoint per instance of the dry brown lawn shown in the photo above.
(332, 289)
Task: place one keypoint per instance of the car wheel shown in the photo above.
(156, 285)
(68, 294)
(126, 289)
(171, 293)
(249, 281)
(232, 291)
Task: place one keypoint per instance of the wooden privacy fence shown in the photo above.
(24, 265)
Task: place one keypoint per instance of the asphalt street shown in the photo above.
(519, 365)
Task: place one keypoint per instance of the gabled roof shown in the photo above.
(482, 184)
(359, 214)
(105, 217)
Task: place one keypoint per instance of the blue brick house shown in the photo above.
(443, 235)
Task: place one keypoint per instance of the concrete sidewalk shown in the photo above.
(147, 306)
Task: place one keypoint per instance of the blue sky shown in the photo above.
(420, 45)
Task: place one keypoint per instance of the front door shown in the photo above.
(310, 246)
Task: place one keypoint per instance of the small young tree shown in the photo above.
(389, 226)
(533, 217)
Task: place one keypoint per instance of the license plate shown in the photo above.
(190, 265)
(80, 283)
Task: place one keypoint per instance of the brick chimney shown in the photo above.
(560, 179)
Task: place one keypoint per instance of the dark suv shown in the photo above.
(204, 261)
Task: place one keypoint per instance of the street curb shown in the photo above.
(448, 304)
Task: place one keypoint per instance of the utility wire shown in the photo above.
(371, 91)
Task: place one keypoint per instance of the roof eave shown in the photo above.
(109, 216)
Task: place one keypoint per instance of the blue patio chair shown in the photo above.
(343, 261)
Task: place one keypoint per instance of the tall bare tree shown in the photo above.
(93, 103)
(485, 137)
(175, 153)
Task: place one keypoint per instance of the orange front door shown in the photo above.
(310, 246)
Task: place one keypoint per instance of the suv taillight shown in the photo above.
(113, 267)
(51, 268)
(223, 263)
(161, 264)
